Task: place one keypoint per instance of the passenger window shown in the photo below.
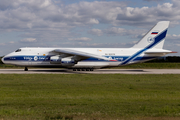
(18, 50)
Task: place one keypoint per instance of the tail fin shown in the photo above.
(155, 37)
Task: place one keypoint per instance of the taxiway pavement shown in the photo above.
(96, 71)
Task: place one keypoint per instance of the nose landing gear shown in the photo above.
(25, 69)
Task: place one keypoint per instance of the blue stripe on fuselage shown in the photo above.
(47, 58)
(27, 58)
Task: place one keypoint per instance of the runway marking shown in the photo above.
(96, 71)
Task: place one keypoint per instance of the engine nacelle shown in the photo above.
(68, 61)
(55, 60)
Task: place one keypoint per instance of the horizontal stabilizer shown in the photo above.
(160, 52)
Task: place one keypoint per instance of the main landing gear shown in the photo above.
(25, 69)
(83, 69)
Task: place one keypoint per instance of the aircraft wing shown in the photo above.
(83, 55)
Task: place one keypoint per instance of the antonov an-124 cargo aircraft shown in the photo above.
(148, 48)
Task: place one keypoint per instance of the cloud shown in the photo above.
(44, 15)
(115, 31)
(173, 39)
(134, 33)
(11, 42)
(97, 32)
(28, 40)
(80, 39)
(99, 45)
(32, 14)
(147, 15)
(2, 44)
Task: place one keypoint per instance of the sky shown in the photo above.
(85, 23)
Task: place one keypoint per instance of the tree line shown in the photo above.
(175, 59)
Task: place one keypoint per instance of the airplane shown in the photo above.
(87, 59)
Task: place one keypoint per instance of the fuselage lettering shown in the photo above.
(27, 58)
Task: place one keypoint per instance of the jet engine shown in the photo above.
(67, 61)
(55, 60)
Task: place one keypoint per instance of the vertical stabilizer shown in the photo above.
(155, 37)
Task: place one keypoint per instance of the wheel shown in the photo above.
(78, 69)
(74, 69)
(91, 69)
(25, 69)
(87, 69)
(82, 70)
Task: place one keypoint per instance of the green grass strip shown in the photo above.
(81, 96)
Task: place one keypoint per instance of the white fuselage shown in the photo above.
(41, 57)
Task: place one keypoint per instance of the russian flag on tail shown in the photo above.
(154, 33)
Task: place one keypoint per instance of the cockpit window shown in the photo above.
(18, 50)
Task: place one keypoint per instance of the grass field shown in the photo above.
(89, 97)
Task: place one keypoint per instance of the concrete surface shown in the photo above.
(96, 71)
